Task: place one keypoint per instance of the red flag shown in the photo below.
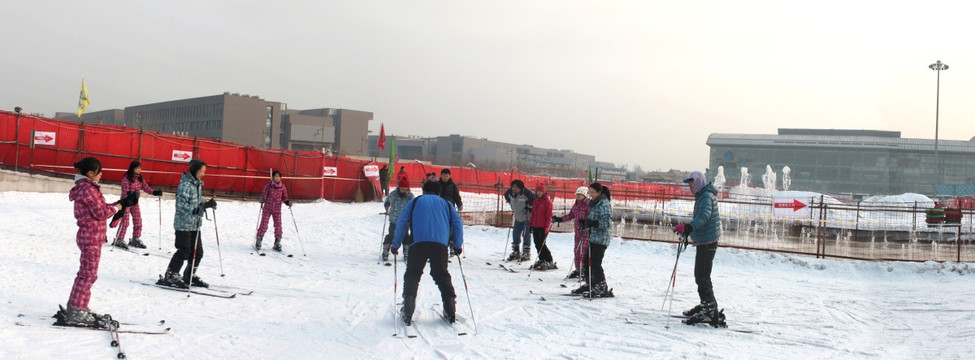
(382, 138)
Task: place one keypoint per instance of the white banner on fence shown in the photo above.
(790, 207)
(184, 156)
(330, 171)
(371, 170)
(44, 138)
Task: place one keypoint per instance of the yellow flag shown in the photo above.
(83, 99)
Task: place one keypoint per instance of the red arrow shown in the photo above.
(795, 205)
(181, 156)
(45, 138)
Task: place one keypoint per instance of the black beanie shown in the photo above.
(445, 171)
(195, 166)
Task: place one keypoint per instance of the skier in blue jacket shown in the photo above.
(704, 231)
(430, 219)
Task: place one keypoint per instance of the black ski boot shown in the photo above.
(526, 253)
(695, 310)
(136, 243)
(581, 289)
(574, 274)
(515, 254)
(409, 304)
(198, 283)
(257, 244)
(450, 309)
(172, 279)
(120, 243)
(600, 290)
(277, 245)
(80, 318)
(386, 252)
(710, 316)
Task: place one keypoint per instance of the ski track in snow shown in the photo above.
(337, 302)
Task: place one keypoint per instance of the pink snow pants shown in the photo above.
(87, 274)
(136, 222)
(277, 224)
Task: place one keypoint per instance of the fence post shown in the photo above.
(856, 229)
(17, 144)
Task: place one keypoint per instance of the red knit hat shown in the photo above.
(540, 187)
(403, 182)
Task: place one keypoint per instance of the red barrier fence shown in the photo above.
(234, 168)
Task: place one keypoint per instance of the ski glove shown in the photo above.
(393, 250)
(131, 199)
(288, 203)
(260, 200)
(157, 193)
(683, 229)
(591, 224)
(457, 251)
(212, 204)
(557, 219)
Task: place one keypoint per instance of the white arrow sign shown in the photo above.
(184, 156)
(44, 138)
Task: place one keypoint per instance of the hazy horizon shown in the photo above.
(631, 82)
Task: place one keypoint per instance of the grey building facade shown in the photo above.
(459, 150)
(246, 120)
(847, 161)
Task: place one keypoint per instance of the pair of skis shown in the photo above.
(112, 327)
(410, 331)
(226, 292)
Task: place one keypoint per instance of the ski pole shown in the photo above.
(382, 238)
(196, 243)
(506, 237)
(673, 279)
(260, 213)
(160, 222)
(395, 291)
(466, 291)
(296, 231)
(531, 269)
(217, 233)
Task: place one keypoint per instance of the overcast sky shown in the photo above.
(632, 82)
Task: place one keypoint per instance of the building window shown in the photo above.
(267, 127)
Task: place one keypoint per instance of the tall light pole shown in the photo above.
(937, 66)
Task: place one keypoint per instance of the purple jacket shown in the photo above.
(138, 184)
(274, 194)
(91, 211)
(580, 210)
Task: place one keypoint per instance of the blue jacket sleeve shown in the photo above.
(402, 224)
(457, 224)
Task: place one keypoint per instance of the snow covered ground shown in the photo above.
(336, 302)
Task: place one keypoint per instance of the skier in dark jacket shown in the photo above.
(449, 192)
(520, 200)
(704, 230)
(190, 209)
(394, 204)
(91, 211)
(599, 222)
(431, 220)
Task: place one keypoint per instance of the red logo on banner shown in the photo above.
(330, 171)
(795, 205)
(183, 156)
(43, 138)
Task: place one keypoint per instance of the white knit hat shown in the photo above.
(582, 190)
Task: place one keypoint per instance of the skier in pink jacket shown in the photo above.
(580, 211)
(91, 211)
(273, 195)
(133, 181)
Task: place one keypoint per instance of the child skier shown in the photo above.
(394, 204)
(91, 211)
(133, 181)
(271, 198)
(520, 200)
(190, 209)
(704, 230)
(541, 220)
(580, 210)
(599, 222)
